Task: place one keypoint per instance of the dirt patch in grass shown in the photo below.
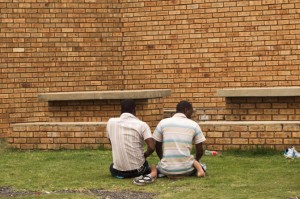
(9, 192)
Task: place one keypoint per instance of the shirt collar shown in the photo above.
(179, 115)
(127, 115)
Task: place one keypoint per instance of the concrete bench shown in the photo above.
(104, 95)
(259, 92)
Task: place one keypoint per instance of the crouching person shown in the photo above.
(127, 135)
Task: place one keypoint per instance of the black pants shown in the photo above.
(145, 169)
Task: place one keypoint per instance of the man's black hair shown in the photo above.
(127, 106)
(183, 106)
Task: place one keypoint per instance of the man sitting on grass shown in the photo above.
(174, 138)
(127, 135)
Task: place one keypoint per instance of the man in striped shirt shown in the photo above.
(174, 140)
(127, 135)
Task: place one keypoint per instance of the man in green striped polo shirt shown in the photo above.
(174, 140)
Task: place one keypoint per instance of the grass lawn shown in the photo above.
(232, 175)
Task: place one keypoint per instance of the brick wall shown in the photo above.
(54, 46)
(193, 47)
(261, 108)
(150, 110)
(220, 136)
(247, 135)
(59, 136)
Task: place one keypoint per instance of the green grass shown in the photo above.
(234, 174)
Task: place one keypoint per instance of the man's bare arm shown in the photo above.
(199, 151)
(150, 147)
(159, 150)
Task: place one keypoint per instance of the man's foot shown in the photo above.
(296, 154)
(201, 173)
(289, 153)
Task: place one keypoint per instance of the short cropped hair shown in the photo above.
(127, 106)
(182, 106)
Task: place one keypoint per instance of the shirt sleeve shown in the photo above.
(146, 132)
(158, 133)
(107, 129)
(199, 137)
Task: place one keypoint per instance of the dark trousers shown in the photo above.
(143, 170)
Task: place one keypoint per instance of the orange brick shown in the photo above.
(266, 134)
(239, 141)
(274, 141)
(256, 128)
(223, 141)
(46, 140)
(291, 141)
(274, 127)
(232, 134)
(33, 140)
(214, 134)
(42, 146)
(282, 134)
(248, 134)
(67, 146)
(222, 128)
(290, 127)
(88, 140)
(257, 141)
(74, 140)
(239, 128)
(19, 140)
(53, 146)
(60, 140)
(27, 146)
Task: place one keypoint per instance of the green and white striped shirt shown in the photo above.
(177, 134)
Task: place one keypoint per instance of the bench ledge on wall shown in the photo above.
(247, 122)
(259, 92)
(59, 124)
(102, 95)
